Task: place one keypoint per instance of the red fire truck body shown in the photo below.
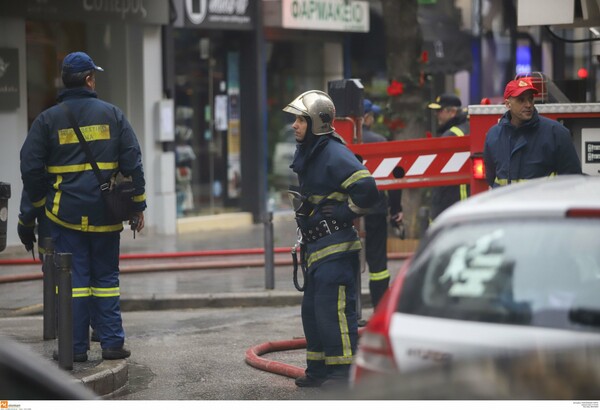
(426, 162)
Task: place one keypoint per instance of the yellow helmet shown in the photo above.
(316, 105)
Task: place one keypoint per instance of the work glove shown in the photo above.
(340, 212)
(397, 223)
(27, 235)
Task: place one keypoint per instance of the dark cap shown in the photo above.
(515, 88)
(77, 62)
(370, 107)
(445, 100)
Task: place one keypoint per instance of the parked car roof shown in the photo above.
(542, 196)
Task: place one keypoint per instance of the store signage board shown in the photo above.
(326, 15)
(214, 14)
(129, 11)
(9, 79)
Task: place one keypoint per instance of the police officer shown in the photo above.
(376, 219)
(452, 121)
(336, 189)
(60, 182)
(525, 145)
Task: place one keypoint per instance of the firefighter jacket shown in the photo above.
(540, 147)
(444, 196)
(381, 206)
(56, 173)
(329, 173)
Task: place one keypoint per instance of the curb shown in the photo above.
(209, 300)
(106, 378)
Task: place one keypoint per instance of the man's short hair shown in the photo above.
(74, 80)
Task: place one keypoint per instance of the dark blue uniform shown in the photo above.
(444, 196)
(540, 147)
(59, 179)
(376, 234)
(330, 175)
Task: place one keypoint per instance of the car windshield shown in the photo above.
(542, 272)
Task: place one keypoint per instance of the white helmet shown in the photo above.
(318, 106)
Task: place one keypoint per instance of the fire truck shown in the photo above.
(428, 162)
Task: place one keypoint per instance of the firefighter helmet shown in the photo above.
(316, 105)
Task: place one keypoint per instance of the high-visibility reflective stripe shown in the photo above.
(503, 181)
(336, 196)
(315, 355)
(343, 323)
(89, 132)
(457, 131)
(139, 198)
(40, 203)
(333, 249)
(106, 292)
(463, 192)
(338, 360)
(63, 169)
(81, 292)
(29, 225)
(86, 227)
(375, 276)
(357, 176)
(357, 209)
(58, 195)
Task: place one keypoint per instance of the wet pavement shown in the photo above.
(154, 283)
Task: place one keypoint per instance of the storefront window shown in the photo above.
(207, 122)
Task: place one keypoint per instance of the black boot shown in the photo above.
(308, 381)
(115, 353)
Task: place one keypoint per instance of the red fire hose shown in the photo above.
(253, 357)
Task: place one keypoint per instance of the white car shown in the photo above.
(507, 271)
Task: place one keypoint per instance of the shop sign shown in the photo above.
(214, 14)
(129, 11)
(326, 15)
(9, 78)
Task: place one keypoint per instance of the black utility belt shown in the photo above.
(323, 228)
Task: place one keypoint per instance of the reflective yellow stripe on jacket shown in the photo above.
(84, 226)
(504, 181)
(463, 187)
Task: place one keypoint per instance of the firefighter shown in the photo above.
(452, 121)
(60, 182)
(376, 220)
(336, 188)
(525, 145)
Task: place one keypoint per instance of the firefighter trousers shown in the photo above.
(376, 255)
(95, 283)
(329, 318)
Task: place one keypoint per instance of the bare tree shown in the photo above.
(404, 67)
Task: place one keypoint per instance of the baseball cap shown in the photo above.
(370, 107)
(445, 100)
(77, 62)
(515, 88)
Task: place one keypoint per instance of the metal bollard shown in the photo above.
(269, 252)
(48, 269)
(65, 310)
